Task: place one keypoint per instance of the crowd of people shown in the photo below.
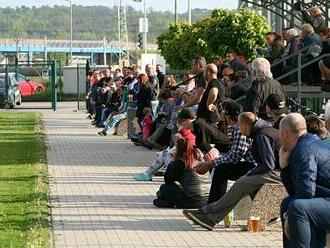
(199, 130)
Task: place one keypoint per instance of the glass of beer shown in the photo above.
(254, 224)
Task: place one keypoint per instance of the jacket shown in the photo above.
(314, 44)
(154, 86)
(276, 50)
(194, 186)
(265, 147)
(144, 99)
(308, 173)
(257, 95)
(318, 22)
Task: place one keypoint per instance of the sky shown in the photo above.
(155, 4)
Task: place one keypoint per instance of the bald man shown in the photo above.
(264, 149)
(305, 172)
(213, 94)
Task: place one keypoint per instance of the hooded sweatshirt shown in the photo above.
(265, 147)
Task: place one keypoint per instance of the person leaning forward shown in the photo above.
(265, 148)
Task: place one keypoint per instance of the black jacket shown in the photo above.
(265, 147)
(257, 95)
(161, 79)
(144, 99)
(190, 181)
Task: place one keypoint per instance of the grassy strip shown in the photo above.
(24, 189)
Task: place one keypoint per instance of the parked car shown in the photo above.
(29, 87)
(14, 95)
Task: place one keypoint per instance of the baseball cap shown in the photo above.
(275, 102)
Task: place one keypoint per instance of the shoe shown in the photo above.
(159, 173)
(147, 144)
(134, 139)
(160, 203)
(199, 217)
(102, 133)
(144, 177)
(274, 220)
(99, 126)
(138, 144)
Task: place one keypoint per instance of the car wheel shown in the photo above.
(19, 102)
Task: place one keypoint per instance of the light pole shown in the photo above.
(17, 41)
(175, 12)
(189, 12)
(70, 29)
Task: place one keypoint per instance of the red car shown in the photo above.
(29, 87)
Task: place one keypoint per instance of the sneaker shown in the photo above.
(199, 217)
(134, 139)
(144, 177)
(100, 125)
(102, 133)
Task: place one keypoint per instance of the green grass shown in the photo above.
(24, 189)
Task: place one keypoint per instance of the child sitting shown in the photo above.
(147, 123)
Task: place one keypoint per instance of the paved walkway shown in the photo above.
(95, 202)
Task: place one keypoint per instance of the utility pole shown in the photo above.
(17, 41)
(145, 32)
(71, 26)
(175, 12)
(122, 29)
(189, 12)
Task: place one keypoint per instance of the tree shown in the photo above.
(212, 36)
(183, 42)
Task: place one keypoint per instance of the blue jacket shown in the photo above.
(265, 147)
(308, 173)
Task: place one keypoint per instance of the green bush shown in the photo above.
(242, 30)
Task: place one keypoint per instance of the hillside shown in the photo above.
(91, 23)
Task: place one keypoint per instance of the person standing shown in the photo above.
(213, 94)
(153, 80)
(160, 75)
(144, 97)
(305, 173)
(198, 68)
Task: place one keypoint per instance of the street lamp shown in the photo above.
(70, 29)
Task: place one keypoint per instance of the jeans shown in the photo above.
(309, 219)
(223, 173)
(164, 158)
(105, 114)
(154, 105)
(110, 128)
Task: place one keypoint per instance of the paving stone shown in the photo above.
(96, 203)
